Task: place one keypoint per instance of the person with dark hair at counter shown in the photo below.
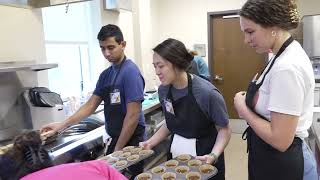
(278, 106)
(195, 111)
(28, 160)
(121, 88)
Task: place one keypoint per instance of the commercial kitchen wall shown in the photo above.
(22, 37)
(152, 21)
(190, 24)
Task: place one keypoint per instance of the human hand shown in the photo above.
(146, 145)
(208, 158)
(239, 101)
(50, 129)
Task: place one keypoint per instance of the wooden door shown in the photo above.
(232, 63)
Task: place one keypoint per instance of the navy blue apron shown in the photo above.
(115, 116)
(264, 161)
(189, 121)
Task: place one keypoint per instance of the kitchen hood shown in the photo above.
(37, 3)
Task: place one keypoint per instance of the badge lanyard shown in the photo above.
(115, 97)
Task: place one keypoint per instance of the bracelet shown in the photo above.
(214, 156)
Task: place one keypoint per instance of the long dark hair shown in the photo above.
(26, 156)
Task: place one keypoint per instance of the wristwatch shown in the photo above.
(214, 156)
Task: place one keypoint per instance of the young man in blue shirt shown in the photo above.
(121, 88)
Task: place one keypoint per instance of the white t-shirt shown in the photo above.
(289, 88)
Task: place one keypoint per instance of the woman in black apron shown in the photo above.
(192, 128)
(275, 150)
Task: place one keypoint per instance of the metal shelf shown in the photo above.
(25, 66)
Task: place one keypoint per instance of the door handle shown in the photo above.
(217, 78)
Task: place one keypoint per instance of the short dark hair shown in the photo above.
(110, 30)
(175, 52)
(269, 13)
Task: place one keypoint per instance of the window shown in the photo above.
(68, 43)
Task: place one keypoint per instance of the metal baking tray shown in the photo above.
(181, 167)
(126, 157)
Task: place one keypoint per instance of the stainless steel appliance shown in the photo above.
(14, 78)
(77, 147)
(36, 117)
(311, 44)
(311, 41)
(311, 36)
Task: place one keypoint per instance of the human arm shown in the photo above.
(87, 109)
(217, 111)
(279, 133)
(159, 136)
(133, 85)
(130, 123)
(222, 140)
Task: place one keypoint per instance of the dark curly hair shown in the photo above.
(175, 52)
(26, 156)
(269, 13)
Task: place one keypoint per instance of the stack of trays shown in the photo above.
(182, 167)
(126, 157)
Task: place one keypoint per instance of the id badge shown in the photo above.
(169, 106)
(115, 97)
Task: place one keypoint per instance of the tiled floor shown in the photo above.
(236, 158)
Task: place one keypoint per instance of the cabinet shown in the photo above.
(37, 3)
(116, 5)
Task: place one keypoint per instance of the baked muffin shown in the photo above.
(184, 157)
(182, 169)
(171, 163)
(144, 176)
(168, 176)
(193, 176)
(158, 170)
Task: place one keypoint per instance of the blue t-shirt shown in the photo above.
(202, 66)
(130, 81)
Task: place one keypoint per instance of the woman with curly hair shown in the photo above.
(278, 106)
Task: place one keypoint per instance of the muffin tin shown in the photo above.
(182, 167)
(126, 157)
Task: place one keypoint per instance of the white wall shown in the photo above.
(21, 37)
(151, 22)
(308, 7)
(185, 20)
(144, 30)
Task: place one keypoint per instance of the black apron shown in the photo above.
(115, 116)
(113, 112)
(264, 161)
(189, 121)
